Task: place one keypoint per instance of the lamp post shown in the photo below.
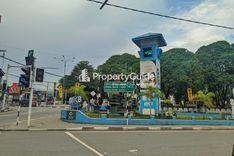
(64, 60)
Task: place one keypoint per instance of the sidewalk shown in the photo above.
(53, 123)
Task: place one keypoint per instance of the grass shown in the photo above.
(140, 116)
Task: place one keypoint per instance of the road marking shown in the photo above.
(84, 144)
(133, 151)
(233, 150)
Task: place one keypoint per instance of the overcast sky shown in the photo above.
(77, 28)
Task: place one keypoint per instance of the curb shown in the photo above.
(113, 128)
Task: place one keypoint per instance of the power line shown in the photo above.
(103, 4)
(164, 16)
(24, 65)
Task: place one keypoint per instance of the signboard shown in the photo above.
(14, 88)
(93, 93)
(77, 85)
(148, 52)
(119, 87)
(190, 94)
(148, 107)
(60, 91)
(71, 115)
(148, 71)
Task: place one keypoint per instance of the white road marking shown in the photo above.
(133, 151)
(84, 144)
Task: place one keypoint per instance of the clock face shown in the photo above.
(147, 52)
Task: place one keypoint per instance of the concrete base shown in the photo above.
(83, 119)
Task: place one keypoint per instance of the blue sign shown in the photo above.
(147, 106)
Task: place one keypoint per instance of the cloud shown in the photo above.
(193, 36)
(78, 28)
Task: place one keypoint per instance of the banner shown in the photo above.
(150, 73)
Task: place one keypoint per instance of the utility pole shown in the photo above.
(64, 60)
(47, 90)
(64, 80)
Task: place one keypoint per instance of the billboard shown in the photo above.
(149, 72)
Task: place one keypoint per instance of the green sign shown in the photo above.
(30, 53)
(147, 52)
(119, 87)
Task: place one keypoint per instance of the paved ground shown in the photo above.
(37, 112)
(167, 143)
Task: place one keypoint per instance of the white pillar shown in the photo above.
(232, 104)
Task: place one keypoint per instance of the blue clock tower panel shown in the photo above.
(150, 53)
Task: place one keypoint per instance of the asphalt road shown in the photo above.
(166, 143)
(37, 112)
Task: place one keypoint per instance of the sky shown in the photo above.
(77, 28)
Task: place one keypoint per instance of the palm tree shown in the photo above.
(79, 91)
(207, 99)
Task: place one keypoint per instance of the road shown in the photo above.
(160, 143)
(37, 112)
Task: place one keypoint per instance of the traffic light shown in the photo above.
(4, 87)
(24, 79)
(30, 58)
(39, 75)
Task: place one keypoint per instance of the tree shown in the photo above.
(78, 91)
(180, 70)
(217, 60)
(125, 63)
(117, 64)
(73, 77)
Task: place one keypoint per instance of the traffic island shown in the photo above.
(79, 117)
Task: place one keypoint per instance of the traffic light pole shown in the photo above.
(5, 94)
(31, 96)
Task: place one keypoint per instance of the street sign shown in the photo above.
(93, 93)
(190, 94)
(71, 115)
(30, 53)
(77, 85)
(78, 99)
(60, 91)
(119, 87)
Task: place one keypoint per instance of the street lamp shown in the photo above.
(64, 60)
(3, 55)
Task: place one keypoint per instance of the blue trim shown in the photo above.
(83, 119)
(157, 37)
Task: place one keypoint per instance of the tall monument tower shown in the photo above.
(150, 53)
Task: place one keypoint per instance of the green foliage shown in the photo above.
(179, 70)
(217, 60)
(206, 98)
(210, 69)
(73, 77)
(125, 63)
(152, 92)
(78, 91)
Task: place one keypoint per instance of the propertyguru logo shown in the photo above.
(124, 77)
